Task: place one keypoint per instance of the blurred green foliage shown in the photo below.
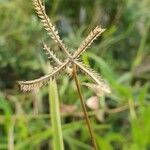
(121, 56)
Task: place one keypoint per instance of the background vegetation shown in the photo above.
(121, 56)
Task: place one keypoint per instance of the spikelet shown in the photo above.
(40, 9)
(88, 41)
(98, 90)
(57, 60)
(51, 54)
(37, 83)
(102, 85)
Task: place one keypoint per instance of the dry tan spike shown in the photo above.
(98, 90)
(51, 54)
(40, 9)
(37, 83)
(88, 41)
(94, 76)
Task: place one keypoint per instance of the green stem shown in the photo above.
(84, 107)
(132, 108)
(55, 117)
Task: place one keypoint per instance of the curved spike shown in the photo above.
(94, 76)
(88, 41)
(32, 84)
(51, 54)
(40, 9)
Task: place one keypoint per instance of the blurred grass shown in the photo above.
(121, 56)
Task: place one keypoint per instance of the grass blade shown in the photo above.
(55, 116)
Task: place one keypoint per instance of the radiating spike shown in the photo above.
(51, 54)
(88, 41)
(37, 83)
(99, 90)
(40, 9)
(94, 76)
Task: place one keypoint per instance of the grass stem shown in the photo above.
(84, 107)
